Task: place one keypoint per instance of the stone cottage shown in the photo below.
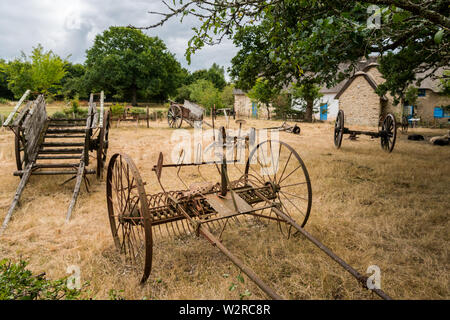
(245, 107)
(362, 106)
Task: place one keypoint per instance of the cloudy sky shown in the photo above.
(69, 28)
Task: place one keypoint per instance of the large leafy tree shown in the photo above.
(215, 74)
(306, 41)
(263, 93)
(127, 62)
(4, 91)
(41, 72)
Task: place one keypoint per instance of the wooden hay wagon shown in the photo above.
(43, 145)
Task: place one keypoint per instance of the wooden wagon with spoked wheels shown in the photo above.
(188, 112)
(387, 133)
(46, 146)
(270, 185)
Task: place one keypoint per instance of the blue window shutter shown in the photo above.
(438, 112)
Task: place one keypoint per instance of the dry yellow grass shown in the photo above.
(369, 207)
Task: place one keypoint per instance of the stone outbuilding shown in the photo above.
(363, 106)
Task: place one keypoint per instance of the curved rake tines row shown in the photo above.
(276, 164)
(136, 217)
(388, 133)
(129, 213)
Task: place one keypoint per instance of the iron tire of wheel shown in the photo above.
(389, 129)
(175, 117)
(339, 129)
(299, 172)
(102, 149)
(129, 214)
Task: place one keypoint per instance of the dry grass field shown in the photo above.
(369, 207)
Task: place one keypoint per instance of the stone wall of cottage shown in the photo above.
(243, 107)
(360, 103)
(425, 107)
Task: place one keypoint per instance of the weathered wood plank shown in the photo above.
(76, 190)
(26, 175)
(102, 108)
(16, 108)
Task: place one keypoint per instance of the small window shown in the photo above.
(441, 113)
(422, 93)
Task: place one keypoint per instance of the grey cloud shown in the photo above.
(70, 27)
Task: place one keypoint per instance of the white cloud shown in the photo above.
(69, 28)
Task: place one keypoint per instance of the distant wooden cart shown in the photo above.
(188, 112)
(387, 133)
(42, 142)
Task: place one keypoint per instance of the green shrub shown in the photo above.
(4, 101)
(117, 109)
(59, 115)
(18, 283)
(138, 111)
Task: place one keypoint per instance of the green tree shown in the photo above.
(227, 96)
(41, 72)
(307, 94)
(73, 84)
(206, 94)
(263, 93)
(127, 62)
(215, 74)
(4, 90)
(289, 41)
(282, 104)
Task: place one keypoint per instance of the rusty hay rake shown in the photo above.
(272, 184)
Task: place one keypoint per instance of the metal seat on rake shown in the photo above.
(274, 186)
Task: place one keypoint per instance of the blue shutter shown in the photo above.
(438, 112)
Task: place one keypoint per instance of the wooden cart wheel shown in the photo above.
(339, 129)
(276, 164)
(175, 117)
(102, 149)
(389, 133)
(405, 124)
(129, 215)
(19, 147)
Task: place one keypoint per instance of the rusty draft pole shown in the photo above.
(362, 279)
(216, 242)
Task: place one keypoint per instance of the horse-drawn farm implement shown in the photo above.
(271, 183)
(387, 133)
(44, 145)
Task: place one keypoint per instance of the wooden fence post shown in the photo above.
(148, 115)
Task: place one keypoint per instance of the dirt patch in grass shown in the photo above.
(369, 207)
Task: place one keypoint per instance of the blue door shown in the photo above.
(255, 109)
(409, 111)
(323, 112)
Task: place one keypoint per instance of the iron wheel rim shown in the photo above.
(287, 186)
(133, 213)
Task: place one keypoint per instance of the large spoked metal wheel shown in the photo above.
(129, 214)
(277, 165)
(21, 158)
(175, 117)
(388, 133)
(339, 129)
(102, 150)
